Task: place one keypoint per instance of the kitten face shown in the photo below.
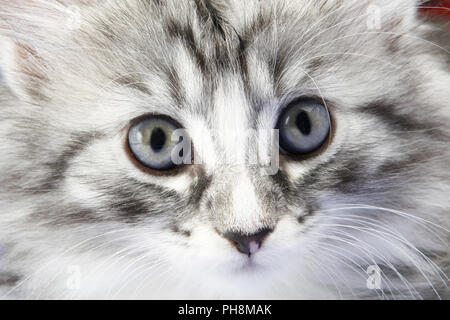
(74, 198)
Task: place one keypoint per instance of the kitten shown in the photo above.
(93, 204)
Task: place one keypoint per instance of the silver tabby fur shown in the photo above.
(79, 220)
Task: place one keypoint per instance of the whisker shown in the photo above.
(400, 213)
(373, 251)
(58, 258)
(367, 230)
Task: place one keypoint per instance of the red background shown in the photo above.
(439, 8)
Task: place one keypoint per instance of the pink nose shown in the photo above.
(247, 244)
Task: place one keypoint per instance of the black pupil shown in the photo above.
(157, 139)
(303, 124)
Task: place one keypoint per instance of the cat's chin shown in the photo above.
(248, 265)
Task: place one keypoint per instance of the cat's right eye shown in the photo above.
(150, 142)
(303, 126)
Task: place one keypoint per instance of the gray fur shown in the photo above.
(376, 195)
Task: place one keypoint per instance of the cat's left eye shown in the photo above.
(150, 141)
(303, 126)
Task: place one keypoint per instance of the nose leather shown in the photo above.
(247, 244)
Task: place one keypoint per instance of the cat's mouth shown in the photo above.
(249, 265)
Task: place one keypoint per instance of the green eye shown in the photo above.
(150, 141)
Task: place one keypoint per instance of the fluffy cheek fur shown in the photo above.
(77, 206)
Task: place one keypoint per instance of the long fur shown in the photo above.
(79, 220)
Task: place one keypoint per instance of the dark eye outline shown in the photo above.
(164, 172)
(328, 139)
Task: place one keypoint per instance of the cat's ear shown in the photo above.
(425, 19)
(394, 16)
(30, 32)
(23, 69)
